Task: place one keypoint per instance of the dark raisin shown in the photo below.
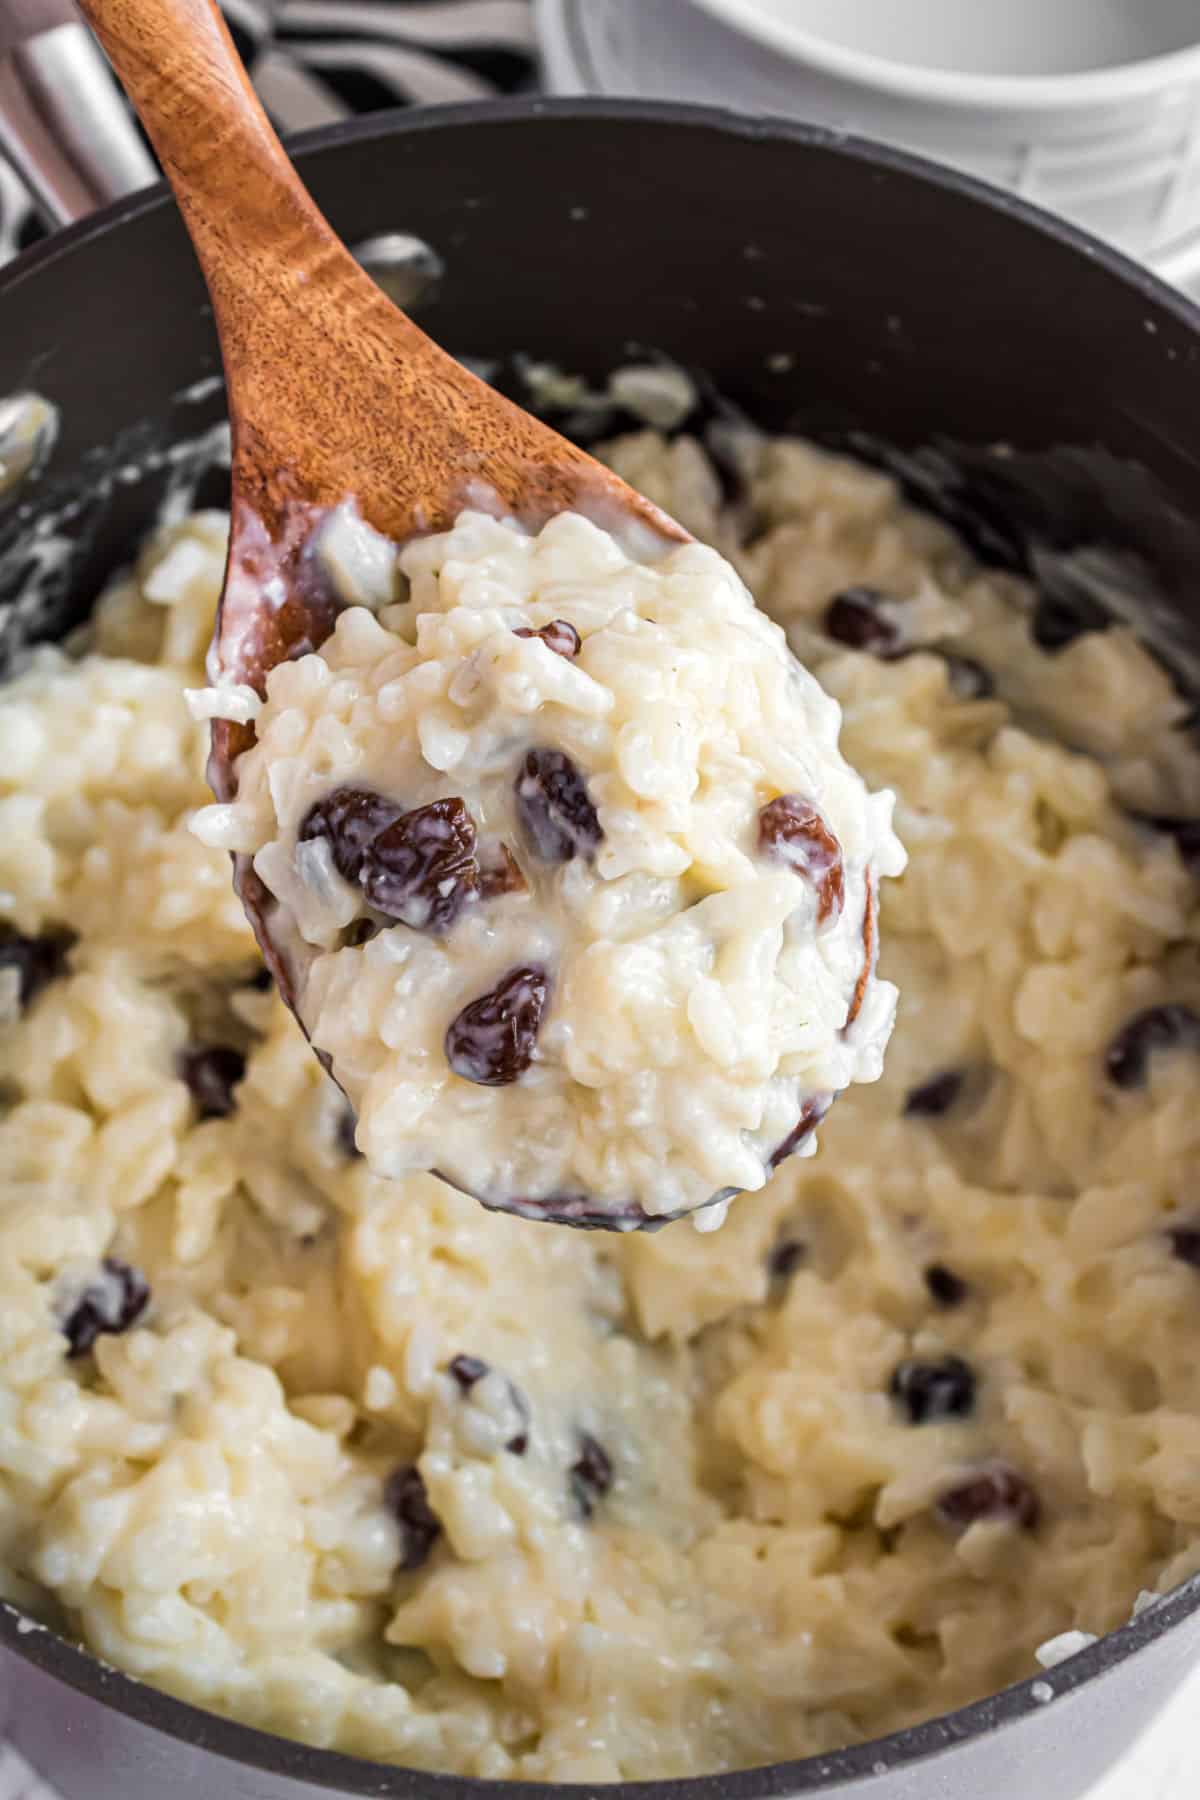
(554, 807)
(112, 1303)
(467, 1370)
(492, 1040)
(348, 819)
(785, 1258)
(945, 1287)
(591, 1475)
(499, 872)
(1185, 1244)
(997, 1492)
(1057, 622)
(856, 617)
(415, 867)
(212, 1073)
(932, 1391)
(1186, 833)
(407, 1499)
(347, 1141)
(560, 636)
(1170, 1027)
(936, 1096)
(37, 960)
(262, 981)
(421, 869)
(793, 831)
(968, 679)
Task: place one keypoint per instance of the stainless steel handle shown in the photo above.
(63, 125)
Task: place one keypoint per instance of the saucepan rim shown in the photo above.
(334, 1769)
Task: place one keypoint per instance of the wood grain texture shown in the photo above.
(333, 391)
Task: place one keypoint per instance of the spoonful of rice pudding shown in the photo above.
(544, 833)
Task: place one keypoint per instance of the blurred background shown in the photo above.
(1088, 107)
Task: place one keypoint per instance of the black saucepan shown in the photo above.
(821, 284)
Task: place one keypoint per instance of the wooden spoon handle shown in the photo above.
(259, 237)
(232, 178)
(332, 390)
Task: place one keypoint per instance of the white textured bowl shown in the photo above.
(1114, 145)
(1050, 54)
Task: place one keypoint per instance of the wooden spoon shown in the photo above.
(333, 391)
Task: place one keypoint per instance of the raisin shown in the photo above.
(519, 1442)
(492, 1040)
(262, 981)
(934, 1097)
(856, 617)
(37, 960)
(932, 1391)
(499, 872)
(421, 869)
(998, 1493)
(591, 1475)
(417, 867)
(212, 1073)
(407, 1499)
(110, 1304)
(560, 636)
(467, 1370)
(554, 807)
(349, 819)
(347, 1127)
(945, 1287)
(785, 1258)
(1170, 1027)
(792, 830)
(968, 679)
(1185, 1244)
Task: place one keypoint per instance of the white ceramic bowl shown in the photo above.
(1087, 107)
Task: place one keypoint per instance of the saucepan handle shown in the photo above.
(63, 124)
